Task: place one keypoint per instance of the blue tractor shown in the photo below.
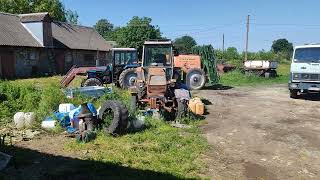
(120, 71)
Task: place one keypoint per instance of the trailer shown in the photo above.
(263, 68)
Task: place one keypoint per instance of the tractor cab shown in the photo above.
(158, 57)
(122, 59)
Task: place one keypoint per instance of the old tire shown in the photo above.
(127, 78)
(195, 79)
(120, 117)
(92, 82)
(294, 94)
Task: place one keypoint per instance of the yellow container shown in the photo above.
(196, 106)
(200, 108)
(192, 105)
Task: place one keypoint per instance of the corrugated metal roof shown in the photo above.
(12, 32)
(79, 37)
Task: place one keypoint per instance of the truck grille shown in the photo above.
(306, 77)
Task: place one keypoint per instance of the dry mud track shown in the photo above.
(260, 133)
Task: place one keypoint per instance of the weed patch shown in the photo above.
(161, 148)
(237, 78)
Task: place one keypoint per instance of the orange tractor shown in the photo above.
(155, 85)
(199, 69)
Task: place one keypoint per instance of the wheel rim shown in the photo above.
(196, 79)
(130, 79)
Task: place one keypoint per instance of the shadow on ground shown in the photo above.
(310, 97)
(217, 87)
(31, 164)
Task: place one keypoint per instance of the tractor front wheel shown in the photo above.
(195, 79)
(92, 82)
(127, 78)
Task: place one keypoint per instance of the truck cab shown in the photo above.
(305, 70)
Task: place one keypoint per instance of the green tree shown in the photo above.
(54, 7)
(72, 17)
(136, 32)
(185, 44)
(104, 28)
(15, 6)
(232, 54)
(281, 45)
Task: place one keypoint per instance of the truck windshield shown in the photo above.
(157, 55)
(308, 55)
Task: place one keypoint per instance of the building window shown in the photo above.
(89, 57)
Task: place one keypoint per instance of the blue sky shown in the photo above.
(207, 20)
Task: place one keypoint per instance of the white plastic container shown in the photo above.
(18, 120)
(66, 108)
(139, 122)
(29, 119)
(82, 126)
(48, 124)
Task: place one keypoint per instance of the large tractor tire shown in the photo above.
(195, 79)
(114, 115)
(127, 78)
(92, 82)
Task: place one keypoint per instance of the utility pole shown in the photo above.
(222, 46)
(247, 39)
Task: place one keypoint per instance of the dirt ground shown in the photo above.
(260, 133)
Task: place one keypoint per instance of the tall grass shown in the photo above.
(238, 78)
(43, 99)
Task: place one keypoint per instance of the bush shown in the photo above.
(43, 101)
(14, 98)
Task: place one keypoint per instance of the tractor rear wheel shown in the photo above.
(92, 82)
(127, 78)
(195, 79)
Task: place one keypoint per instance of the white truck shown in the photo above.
(261, 68)
(305, 70)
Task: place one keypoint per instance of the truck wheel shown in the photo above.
(114, 115)
(92, 82)
(195, 79)
(267, 74)
(127, 78)
(274, 73)
(294, 94)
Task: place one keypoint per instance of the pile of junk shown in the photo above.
(83, 121)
